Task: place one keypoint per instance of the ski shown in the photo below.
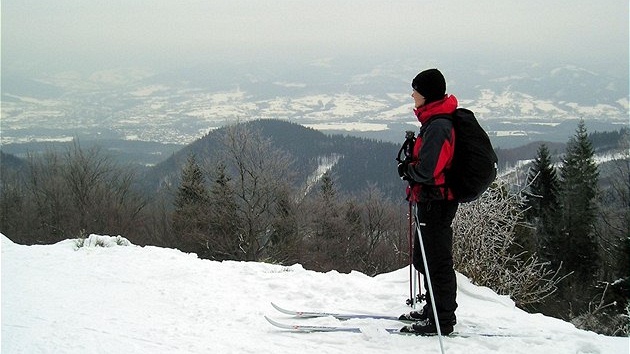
(306, 328)
(339, 316)
(313, 328)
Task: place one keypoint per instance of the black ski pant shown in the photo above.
(437, 235)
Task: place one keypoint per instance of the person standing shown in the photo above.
(435, 204)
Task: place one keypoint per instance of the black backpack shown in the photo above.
(474, 165)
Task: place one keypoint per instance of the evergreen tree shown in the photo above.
(284, 240)
(328, 190)
(190, 221)
(579, 176)
(542, 203)
(543, 185)
(223, 217)
(328, 210)
(352, 241)
(324, 247)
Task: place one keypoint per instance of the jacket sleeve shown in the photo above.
(435, 153)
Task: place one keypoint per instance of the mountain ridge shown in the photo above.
(360, 162)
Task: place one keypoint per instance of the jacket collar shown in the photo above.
(447, 105)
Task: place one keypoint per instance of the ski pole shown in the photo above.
(410, 301)
(426, 274)
(419, 297)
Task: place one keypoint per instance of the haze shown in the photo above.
(46, 35)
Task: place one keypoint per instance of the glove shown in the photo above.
(402, 171)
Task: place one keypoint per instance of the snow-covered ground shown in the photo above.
(131, 299)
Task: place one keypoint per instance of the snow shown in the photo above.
(324, 164)
(106, 297)
(350, 126)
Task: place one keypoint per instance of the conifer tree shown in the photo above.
(190, 222)
(324, 248)
(542, 202)
(328, 190)
(328, 209)
(284, 240)
(579, 176)
(223, 217)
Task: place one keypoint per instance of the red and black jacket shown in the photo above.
(433, 152)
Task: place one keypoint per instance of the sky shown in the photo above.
(122, 298)
(48, 35)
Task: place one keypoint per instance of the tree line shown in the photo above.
(245, 206)
(583, 231)
(559, 245)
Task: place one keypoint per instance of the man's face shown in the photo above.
(418, 99)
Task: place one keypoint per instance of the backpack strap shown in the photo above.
(444, 186)
(430, 120)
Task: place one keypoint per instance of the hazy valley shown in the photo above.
(517, 103)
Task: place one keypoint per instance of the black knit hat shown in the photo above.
(430, 84)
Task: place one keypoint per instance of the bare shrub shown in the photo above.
(485, 244)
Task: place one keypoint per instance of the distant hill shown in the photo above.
(361, 161)
(144, 153)
(9, 162)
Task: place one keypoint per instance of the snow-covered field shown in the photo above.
(131, 299)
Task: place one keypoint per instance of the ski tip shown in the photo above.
(280, 309)
(280, 325)
(272, 321)
(287, 326)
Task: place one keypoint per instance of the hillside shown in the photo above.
(360, 161)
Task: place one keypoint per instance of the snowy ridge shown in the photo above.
(324, 164)
(131, 299)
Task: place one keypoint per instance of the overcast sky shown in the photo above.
(53, 34)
